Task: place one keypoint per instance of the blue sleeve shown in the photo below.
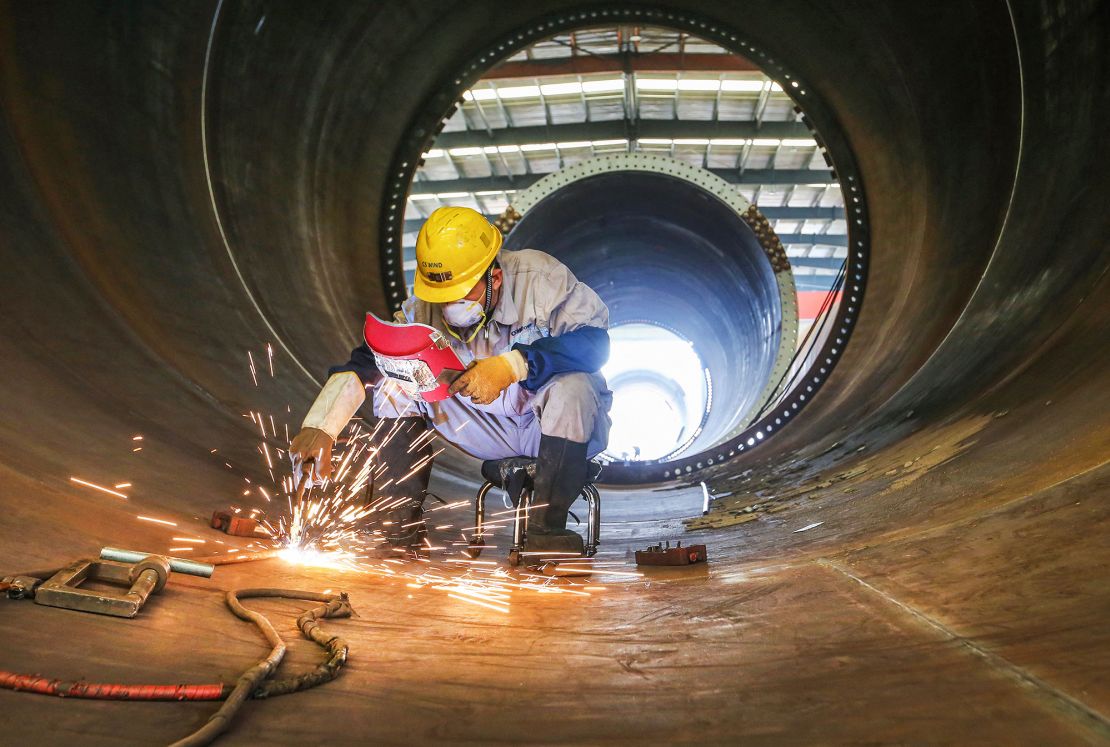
(583, 349)
(362, 364)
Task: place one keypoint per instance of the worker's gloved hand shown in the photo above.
(310, 453)
(485, 379)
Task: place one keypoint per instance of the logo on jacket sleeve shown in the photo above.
(527, 334)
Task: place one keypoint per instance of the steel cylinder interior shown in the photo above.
(662, 250)
(185, 183)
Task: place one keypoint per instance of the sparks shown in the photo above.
(480, 603)
(156, 521)
(339, 560)
(599, 571)
(330, 525)
(101, 488)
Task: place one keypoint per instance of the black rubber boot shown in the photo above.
(402, 524)
(561, 471)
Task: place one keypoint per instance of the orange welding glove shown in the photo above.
(485, 379)
(310, 452)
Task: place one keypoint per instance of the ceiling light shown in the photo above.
(742, 85)
(518, 92)
(560, 89)
(657, 84)
(699, 85)
(507, 92)
(603, 86)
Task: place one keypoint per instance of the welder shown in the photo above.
(533, 339)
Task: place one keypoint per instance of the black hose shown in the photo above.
(255, 682)
(252, 683)
(336, 647)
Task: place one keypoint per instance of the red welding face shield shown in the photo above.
(418, 358)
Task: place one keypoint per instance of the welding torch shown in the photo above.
(309, 453)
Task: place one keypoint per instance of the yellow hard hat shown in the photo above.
(453, 249)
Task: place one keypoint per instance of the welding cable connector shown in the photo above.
(20, 587)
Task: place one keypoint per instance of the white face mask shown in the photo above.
(462, 314)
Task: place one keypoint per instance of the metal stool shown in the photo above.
(516, 475)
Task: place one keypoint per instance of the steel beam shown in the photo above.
(619, 128)
(521, 181)
(660, 62)
(772, 213)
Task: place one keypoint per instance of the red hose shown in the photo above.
(106, 691)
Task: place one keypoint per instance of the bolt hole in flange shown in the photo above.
(687, 176)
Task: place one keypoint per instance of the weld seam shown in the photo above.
(1076, 709)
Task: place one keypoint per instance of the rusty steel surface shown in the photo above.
(920, 557)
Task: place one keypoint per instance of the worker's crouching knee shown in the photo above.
(568, 405)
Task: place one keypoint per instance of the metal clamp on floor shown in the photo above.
(138, 574)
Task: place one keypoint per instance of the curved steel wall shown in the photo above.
(980, 352)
